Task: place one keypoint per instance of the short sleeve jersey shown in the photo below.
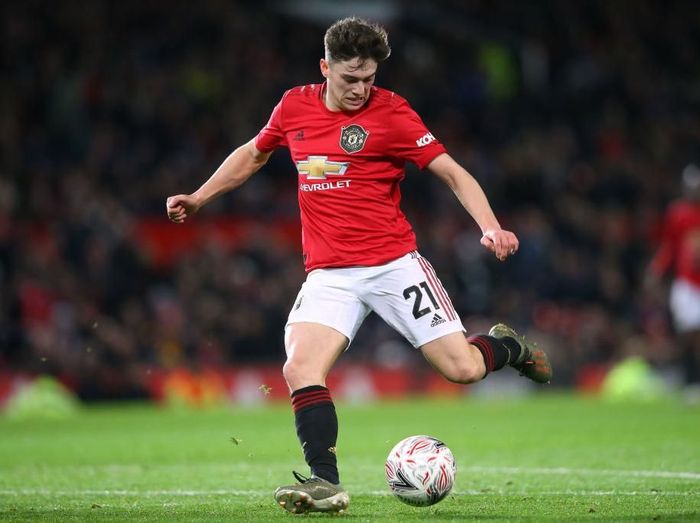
(680, 243)
(349, 167)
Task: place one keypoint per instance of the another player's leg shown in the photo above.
(690, 360)
(311, 351)
(684, 301)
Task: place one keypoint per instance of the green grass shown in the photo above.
(555, 458)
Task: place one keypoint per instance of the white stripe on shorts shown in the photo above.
(438, 289)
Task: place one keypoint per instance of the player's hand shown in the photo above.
(181, 206)
(501, 243)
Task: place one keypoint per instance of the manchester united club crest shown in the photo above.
(353, 138)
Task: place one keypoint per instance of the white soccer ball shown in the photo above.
(420, 470)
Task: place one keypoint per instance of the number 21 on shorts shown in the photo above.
(414, 292)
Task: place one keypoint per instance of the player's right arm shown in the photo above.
(240, 165)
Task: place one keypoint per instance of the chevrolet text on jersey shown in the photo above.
(324, 186)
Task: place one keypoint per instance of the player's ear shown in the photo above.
(324, 67)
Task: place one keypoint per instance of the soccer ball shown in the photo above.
(420, 470)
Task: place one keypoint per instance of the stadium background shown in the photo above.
(576, 117)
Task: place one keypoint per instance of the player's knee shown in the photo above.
(464, 372)
(297, 374)
(291, 371)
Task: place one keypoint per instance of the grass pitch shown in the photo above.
(546, 458)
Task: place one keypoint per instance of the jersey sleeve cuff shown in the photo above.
(429, 155)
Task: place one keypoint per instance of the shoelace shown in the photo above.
(301, 478)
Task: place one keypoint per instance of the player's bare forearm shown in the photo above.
(467, 190)
(472, 197)
(240, 165)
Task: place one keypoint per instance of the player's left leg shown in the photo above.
(455, 358)
(467, 360)
(408, 295)
(532, 361)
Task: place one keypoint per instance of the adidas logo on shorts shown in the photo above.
(437, 320)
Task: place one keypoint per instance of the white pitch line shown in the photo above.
(367, 467)
(128, 493)
(473, 469)
(263, 494)
(595, 472)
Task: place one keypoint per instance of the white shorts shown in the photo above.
(405, 293)
(684, 303)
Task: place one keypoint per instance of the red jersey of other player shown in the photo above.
(679, 253)
(680, 242)
(350, 165)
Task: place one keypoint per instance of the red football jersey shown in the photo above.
(680, 243)
(349, 165)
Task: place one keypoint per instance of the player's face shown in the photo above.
(349, 82)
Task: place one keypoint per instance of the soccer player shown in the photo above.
(679, 254)
(350, 142)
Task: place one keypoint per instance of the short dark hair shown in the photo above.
(356, 38)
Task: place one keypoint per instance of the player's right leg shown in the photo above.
(322, 323)
(312, 349)
(312, 494)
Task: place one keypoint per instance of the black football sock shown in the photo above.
(497, 352)
(317, 429)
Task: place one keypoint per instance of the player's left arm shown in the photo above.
(470, 194)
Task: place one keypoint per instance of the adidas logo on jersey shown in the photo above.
(437, 320)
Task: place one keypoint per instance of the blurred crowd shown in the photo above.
(576, 117)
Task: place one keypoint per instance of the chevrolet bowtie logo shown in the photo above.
(317, 167)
